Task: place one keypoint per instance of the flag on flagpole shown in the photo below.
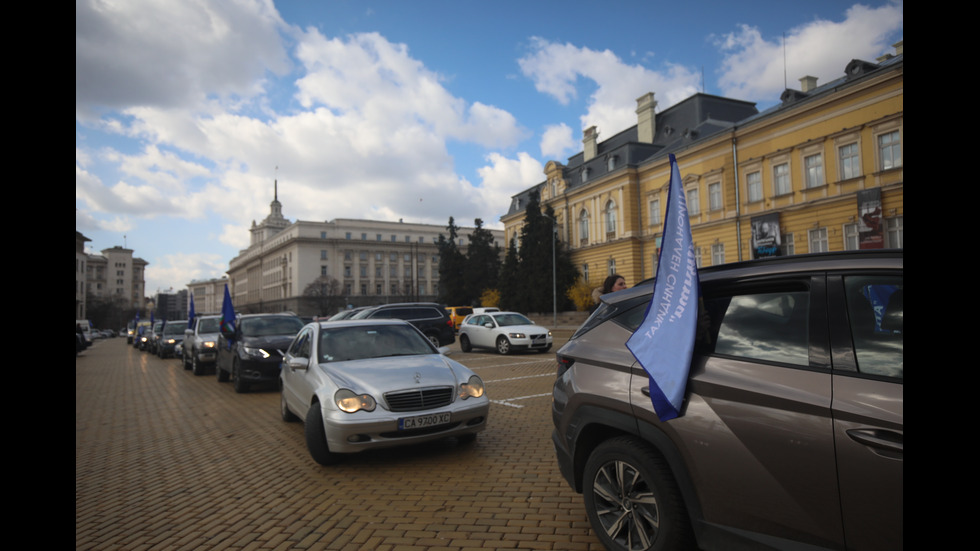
(664, 342)
(191, 314)
(227, 315)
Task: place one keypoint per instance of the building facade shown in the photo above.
(81, 261)
(373, 262)
(207, 295)
(116, 274)
(820, 171)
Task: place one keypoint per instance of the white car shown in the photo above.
(376, 383)
(504, 332)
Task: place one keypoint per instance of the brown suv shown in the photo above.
(791, 433)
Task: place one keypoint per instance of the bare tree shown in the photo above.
(323, 296)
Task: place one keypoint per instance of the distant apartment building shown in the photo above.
(373, 262)
(116, 274)
(81, 261)
(207, 295)
(820, 171)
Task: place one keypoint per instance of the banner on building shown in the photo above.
(870, 233)
(766, 239)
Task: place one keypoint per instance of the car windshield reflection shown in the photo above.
(506, 320)
(267, 327)
(373, 341)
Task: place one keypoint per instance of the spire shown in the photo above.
(275, 189)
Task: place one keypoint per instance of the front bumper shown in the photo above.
(367, 430)
(531, 342)
(259, 371)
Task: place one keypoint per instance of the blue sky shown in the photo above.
(187, 110)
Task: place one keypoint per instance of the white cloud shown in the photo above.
(169, 53)
(753, 67)
(555, 69)
(557, 142)
(503, 178)
(176, 270)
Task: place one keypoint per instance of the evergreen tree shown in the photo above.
(511, 290)
(482, 263)
(451, 267)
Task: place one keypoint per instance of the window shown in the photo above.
(717, 254)
(818, 240)
(655, 212)
(378, 238)
(393, 257)
(813, 166)
(753, 183)
(890, 150)
(714, 196)
(394, 238)
(377, 289)
(697, 257)
(363, 288)
(894, 232)
(788, 246)
(363, 255)
(611, 217)
(780, 180)
(850, 164)
(323, 235)
(583, 226)
(612, 266)
(693, 202)
(421, 239)
(347, 235)
(323, 255)
(766, 326)
(875, 308)
(611, 163)
(323, 271)
(377, 272)
(363, 237)
(585, 272)
(347, 272)
(363, 271)
(851, 242)
(378, 256)
(347, 255)
(408, 239)
(408, 257)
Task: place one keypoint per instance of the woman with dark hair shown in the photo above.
(611, 284)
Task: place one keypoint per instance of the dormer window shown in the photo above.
(611, 162)
(585, 174)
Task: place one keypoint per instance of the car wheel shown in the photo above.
(632, 500)
(183, 361)
(434, 339)
(222, 374)
(464, 343)
(503, 345)
(196, 367)
(316, 437)
(236, 378)
(287, 416)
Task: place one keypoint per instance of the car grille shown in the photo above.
(415, 400)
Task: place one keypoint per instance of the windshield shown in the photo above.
(267, 327)
(175, 328)
(208, 325)
(505, 320)
(371, 341)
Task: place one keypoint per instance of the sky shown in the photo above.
(187, 111)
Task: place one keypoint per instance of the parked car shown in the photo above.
(171, 335)
(430, 318)
(457, 313)
(346, 314)
(150, 337)
(791, 433)
(252, 353)
(200, 344)
(368, 384)
(504, 332)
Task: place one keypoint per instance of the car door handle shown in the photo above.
(885, 440)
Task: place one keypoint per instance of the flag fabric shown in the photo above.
(152, 321)
(227, 315)
(190, 314)
(664, 342)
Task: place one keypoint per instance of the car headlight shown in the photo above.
(256, 352)
(208, 344)
(549, 333)
(516, 335)
(349, 402)
(472, 388)
(171, 341)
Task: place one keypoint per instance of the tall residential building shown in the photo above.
(116, 274)
(81, 260)
(373, 262)
(820, 171)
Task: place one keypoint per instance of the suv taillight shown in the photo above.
(564, 362)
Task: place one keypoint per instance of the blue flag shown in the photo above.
(227, 315)
(664, 342)
(190, 313)
(151, 318)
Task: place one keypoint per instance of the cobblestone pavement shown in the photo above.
(167, 460)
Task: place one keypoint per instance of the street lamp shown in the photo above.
(554, 278)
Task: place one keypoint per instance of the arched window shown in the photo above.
(611, 217)
(583, 226)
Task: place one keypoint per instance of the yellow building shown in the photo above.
(820, 171)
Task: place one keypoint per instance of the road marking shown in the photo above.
(508, 400)
(519, 378)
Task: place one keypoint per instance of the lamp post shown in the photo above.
(554, 278)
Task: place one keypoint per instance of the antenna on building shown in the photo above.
(275, 185)
(785, 86)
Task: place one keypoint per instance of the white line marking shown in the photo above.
(508, 400)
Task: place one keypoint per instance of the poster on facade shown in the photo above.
(870, 235)
(765, 236)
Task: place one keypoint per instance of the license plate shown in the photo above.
(423, 421)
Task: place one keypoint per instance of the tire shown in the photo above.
(222, 374)
(316, 438)
(632, 500)
(434, 339)
(464, 343)
(196, 367)
(240, 386)
(183, 361)
(503, 345)
(287, 416)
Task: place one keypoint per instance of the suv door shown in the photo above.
(868, 406)
(757, 434)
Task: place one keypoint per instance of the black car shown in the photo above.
(430, 318)
(252, 352)
(170, 336)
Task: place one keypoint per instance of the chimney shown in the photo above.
(646, 124)
(808, 83)
(591, 147)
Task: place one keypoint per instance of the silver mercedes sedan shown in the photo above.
(367, 384)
